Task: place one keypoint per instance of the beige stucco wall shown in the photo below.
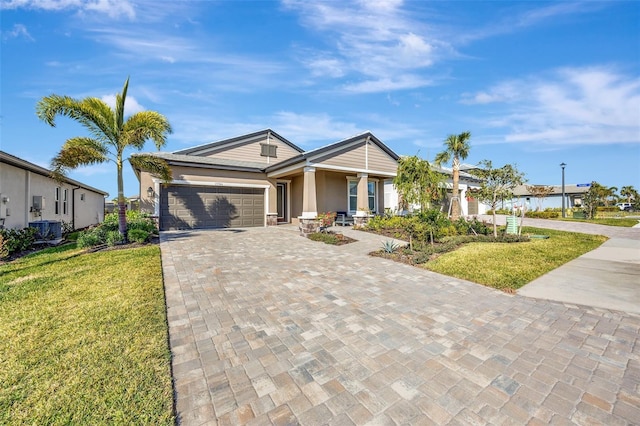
(20, 185)
(332, 192)
(250, 151)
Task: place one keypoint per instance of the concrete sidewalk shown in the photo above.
(607, 277)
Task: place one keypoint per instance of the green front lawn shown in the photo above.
(609, 221)
(509, 266)
(84, 338)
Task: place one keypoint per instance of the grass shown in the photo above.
(509, 266)
(84, 338)
(609, 221)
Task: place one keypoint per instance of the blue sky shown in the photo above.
(536, 83)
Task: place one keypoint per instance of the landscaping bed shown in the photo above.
(331, 237)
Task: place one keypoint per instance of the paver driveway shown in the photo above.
(267, 327)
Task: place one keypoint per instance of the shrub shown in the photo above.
(547, 214)
(92, 237)
(17, 240)
(67, 228)
(327, 219)
(325, 237)
(138, 236)
(4, 249)
(608, 209)
(113, 238)
(135, 220)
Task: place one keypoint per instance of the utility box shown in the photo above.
(37, 203)
(47, 229)
(512, 225)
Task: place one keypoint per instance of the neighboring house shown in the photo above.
(28, 194)
(262, 179)
(469, 205)
(574, 195)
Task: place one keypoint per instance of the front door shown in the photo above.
(282, 202)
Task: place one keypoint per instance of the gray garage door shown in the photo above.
(189, 207)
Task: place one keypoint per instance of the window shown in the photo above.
(371, 192)
(267, 150)
(57, 201)
(353, 196)
(65, 193)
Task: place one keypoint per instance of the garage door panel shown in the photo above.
(185, 207)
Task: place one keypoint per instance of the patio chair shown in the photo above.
(342, 218)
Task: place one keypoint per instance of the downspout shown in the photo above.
(73, 208)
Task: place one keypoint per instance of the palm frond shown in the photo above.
(78, 152)
(92, 113)
(120, 101)
(146, 125)
(154, 165)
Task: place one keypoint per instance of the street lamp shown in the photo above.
(563, 166)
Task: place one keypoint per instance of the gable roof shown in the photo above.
(206, 162)
(200, 149)
(34, 168)
(318, 152)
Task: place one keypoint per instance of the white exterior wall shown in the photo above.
(20, 185)
(391, 198)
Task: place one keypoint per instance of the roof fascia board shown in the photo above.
(25, 165)
(231, 142)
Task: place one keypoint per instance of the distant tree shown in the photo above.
(456, 148)
(540, 192)
(110, 136)
(610, 195)
(594, 197)
(417, 182)
(496, 184)
(629, 193)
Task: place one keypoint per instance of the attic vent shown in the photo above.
(268, 150)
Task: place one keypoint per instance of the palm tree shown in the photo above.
(110, 134)
(456, 149)
(628, 192)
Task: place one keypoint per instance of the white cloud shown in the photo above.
(17, 31)
(305, 128)
(378, 41)
(595, 105)
(111, 8)
(131, 105)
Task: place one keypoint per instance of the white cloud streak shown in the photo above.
(570, 106)
(111, 8)
(131, 105)
(375, 44)
(18, 31)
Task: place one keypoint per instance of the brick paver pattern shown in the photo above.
(267, 327)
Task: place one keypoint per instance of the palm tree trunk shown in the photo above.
(122, 208)
(455, 200)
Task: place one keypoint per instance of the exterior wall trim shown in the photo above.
(205, 183)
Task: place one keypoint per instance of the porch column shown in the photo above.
(309, 203)
(272, 204)
(362, 206)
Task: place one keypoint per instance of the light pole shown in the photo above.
(563, 166)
